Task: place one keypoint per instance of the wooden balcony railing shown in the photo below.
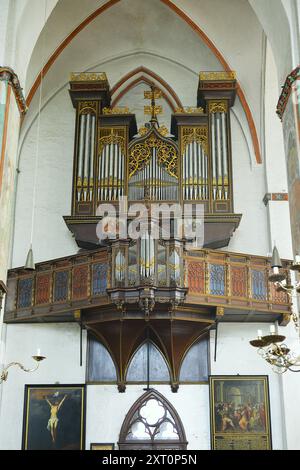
(233, 281)
(59, 288)
(56, 289)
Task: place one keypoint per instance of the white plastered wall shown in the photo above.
(106, 408)
(52, 239)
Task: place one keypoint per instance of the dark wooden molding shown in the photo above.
(286, 91)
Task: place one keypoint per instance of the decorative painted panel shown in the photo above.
(99, 278)
(217, 279)
(259, 285)
(61, 286)
(42, 292)
(278, 296)
(196, 277)
(25, 293)
(238, 281)
(80, 282)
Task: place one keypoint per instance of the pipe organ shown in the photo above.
(111, 164)
(153, 169)
(221, 171)
(84, 172)
(191, 162)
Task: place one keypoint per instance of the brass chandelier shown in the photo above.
(272, 349)
(283, 282)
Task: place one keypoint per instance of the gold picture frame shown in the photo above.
(102, 446)
(240, 412)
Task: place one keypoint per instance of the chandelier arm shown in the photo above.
(4, 373)
(293, 370)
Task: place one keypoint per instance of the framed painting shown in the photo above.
(54, 417)
(240, 413)
(104, 446)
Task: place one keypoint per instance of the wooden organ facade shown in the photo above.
(191, 163)
(132, 291)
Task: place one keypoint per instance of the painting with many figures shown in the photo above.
(54, 417)
(240, 413)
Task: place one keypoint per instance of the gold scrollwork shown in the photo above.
(87, 107)
(153, 94)
(116, 110)
(194, 134)
(143, 131)
(141, 153)
(163, 130)
(219, 106)
(88, 77)
(149, 109)
(112, 138)
(189, 110)
(217, 75)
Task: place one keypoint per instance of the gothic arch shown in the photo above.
(162, 430)
(191, 24)
(144, 75)
(161, 356)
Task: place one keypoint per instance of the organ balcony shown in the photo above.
(146, 290)
(126, 290)
(233, 285)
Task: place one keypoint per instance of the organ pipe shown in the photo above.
(219, 156)
(194, 171)
(153, 176)
(111, 170)
(86, 149)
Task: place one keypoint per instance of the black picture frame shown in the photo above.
(228, 411)
(60, 428)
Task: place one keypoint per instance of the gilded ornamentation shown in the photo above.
(153, 94)
(88, 77)
(217, 76)
(87, 107)
(220, 312)
(116, 110)
(143, 131)
(194, 134)
(157, 109)
(218, 107)
(112, 138)
(84, 183)
(163, 130)
(141, 153)
(189, 110)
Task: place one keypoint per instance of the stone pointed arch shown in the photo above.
(144, 75)
(196, 28)
(152, 429)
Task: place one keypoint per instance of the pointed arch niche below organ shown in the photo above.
(137, 369)
(152, 423)
(101, 368)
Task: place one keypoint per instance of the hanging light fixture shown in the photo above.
(29, 264)
(283, 282)
(275, 352)
(272, 347)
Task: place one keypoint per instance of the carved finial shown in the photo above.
(153, 109)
